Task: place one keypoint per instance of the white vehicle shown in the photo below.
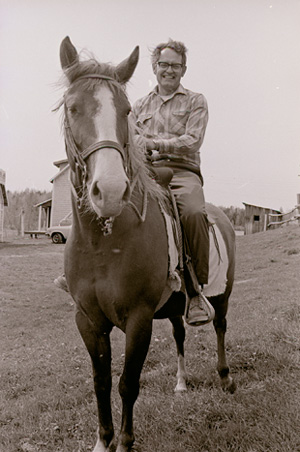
(60, 233)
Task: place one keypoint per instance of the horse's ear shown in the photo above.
(125, 69)
(68, 53)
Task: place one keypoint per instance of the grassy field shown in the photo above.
(47, 402)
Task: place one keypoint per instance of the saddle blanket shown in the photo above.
(218, 262)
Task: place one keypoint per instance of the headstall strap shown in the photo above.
(96, 76)
(100, 145)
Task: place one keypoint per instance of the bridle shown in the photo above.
(79, 158)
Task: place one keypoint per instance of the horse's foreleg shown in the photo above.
(179, 336)
(138, 336)
(98, 346)
(227, 382)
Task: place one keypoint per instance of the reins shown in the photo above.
(142, 216)
(80, 169)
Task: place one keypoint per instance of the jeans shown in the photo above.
(188, 191)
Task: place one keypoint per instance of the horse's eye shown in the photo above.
(72, 110)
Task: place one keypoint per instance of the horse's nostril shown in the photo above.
(126, 195)
(96, 191)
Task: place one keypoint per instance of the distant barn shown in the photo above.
(257, 218)
(3, 202)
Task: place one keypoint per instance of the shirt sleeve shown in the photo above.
(138, 134)
(191, 141)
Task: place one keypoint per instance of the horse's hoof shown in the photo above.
(100, 447)
(229, 385)
(181, 384)
(180, 388)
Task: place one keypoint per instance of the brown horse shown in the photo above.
(116, 259)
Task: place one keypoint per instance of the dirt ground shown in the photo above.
(47, 400)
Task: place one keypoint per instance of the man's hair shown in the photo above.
(177, 46)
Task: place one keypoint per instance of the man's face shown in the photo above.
(168, 79)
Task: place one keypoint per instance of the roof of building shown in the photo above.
(60, 172)
(58, 163)
(46, 203)
(261, 207)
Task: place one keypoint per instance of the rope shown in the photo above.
(178, 224)
(216, 242)
(142, 216)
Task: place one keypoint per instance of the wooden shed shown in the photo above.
(3, 202)
(257, 218)
(61, 193)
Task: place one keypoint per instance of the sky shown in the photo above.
(243, 55)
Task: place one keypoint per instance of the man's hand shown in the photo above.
(153, 155)
(150, 146)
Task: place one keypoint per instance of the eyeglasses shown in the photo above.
(175, 66)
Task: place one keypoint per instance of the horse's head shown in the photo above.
(96, 129)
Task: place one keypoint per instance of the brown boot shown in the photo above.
(199, 311)
(61, 283)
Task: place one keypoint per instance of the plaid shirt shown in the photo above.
(177, 124)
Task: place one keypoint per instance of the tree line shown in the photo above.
(23, 200)
(27, 200)
(236, 215)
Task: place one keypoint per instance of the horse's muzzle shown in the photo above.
(108, 199)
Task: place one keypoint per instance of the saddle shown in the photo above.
(163, 176)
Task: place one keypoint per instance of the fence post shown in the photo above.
(266, 222)
(22, 223)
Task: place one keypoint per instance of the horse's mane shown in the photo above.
(137, 169)
(90, 66)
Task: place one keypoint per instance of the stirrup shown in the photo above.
(209, 311)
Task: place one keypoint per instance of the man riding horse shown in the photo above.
(116, 259)
(170, 124)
